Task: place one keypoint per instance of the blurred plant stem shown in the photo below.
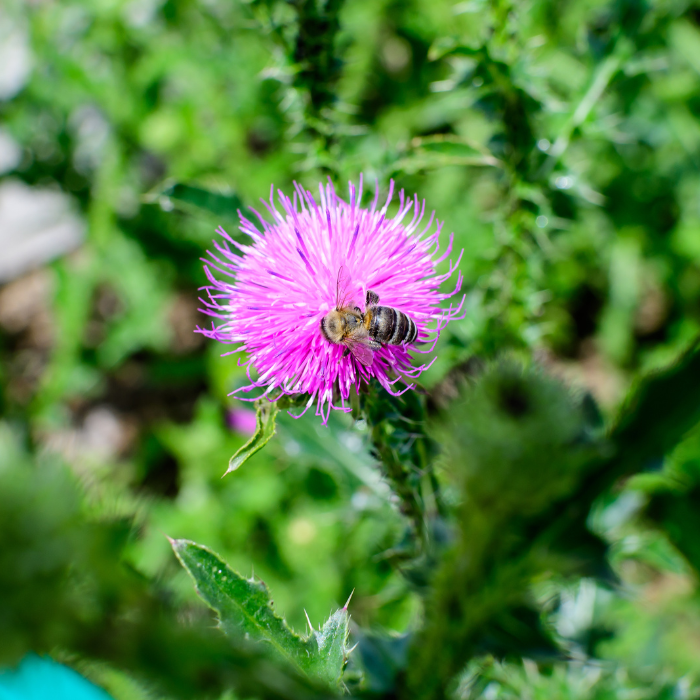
(318, 69)
(406, 454)
(518, 274)
(310, 69)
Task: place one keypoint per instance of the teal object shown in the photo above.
(40, 678)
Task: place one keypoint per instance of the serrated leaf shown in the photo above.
(329, 660)
(244, 607)
(265, 421)
(191, 198)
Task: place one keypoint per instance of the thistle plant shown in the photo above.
(496, 492)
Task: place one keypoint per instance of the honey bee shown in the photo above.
(363, 333)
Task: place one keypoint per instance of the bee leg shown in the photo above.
(358, 309)
(372, 298)
(346, 352)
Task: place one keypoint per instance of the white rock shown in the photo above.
(10, 152)
(36, 226)
(15, 56)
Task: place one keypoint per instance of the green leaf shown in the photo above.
(328, 661)
(448, 46)
(679, 516)
(449, 145)
(244, 607)
(433, 161)
(266, 416)
(685, 38)
(193, 199)
(660, 412)
(441, 150)
(442, 46)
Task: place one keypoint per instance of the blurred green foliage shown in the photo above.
(507, 534)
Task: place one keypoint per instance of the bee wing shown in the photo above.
(361, 349)
(341, 289)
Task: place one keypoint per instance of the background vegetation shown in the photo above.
(526, 525)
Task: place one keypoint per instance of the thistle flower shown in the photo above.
(275, 292)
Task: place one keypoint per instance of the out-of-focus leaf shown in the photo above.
(679, 516)
(441, 155)
(673, 506)
(244, 607)
(685, 38)
(383, 657)
(192, 198)
(449, 145)
(486, 678)
(448, 46)
(501, 429)
(659, 413)
(441, 150)
(265, 417)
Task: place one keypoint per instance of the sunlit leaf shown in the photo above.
(329, 648)
(244, 605)
(245, 608)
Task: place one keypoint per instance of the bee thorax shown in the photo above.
(332, 327)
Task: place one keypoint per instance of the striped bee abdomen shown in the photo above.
(391, 326)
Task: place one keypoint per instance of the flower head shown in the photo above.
(274, 293)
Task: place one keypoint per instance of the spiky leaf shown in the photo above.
(244, 607)
(330, 647)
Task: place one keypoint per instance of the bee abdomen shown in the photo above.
(391, 326)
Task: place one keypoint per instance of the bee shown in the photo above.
(363, 333)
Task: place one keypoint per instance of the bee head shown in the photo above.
(336, 325)
(333, 326)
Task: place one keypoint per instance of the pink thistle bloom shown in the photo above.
(275, 292)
